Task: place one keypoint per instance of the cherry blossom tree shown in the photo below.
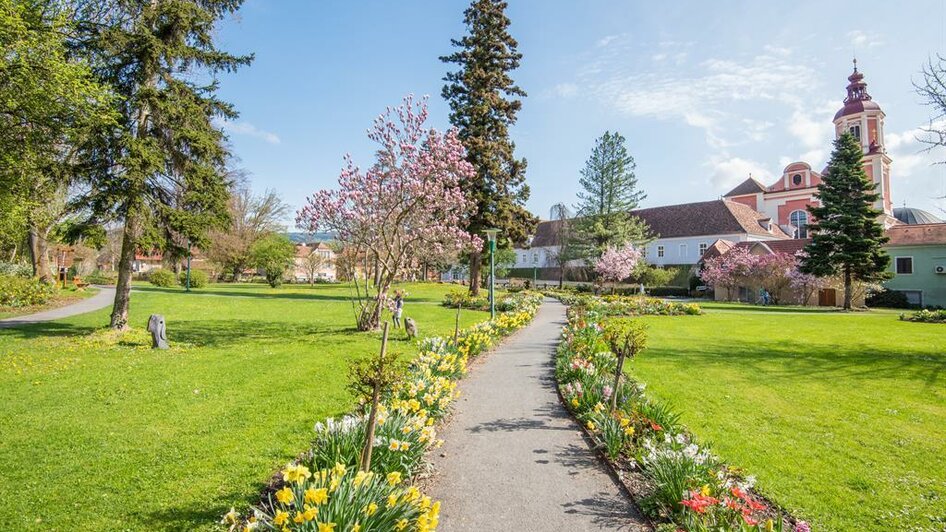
(617, 264)
(728, 270)
(773, 273)
(407, 205)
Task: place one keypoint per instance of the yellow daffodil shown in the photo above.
(405, 445)
(401, 525)
(590, 425)
(339, 469)
(281, 518)
(285, 495)
(231, 517)
(705, 490)
(371, 509)
(326, 527)
(299, 518)
(392, 500)
(356, 527)
(316, 495)
(359, 478)
(394, 477)
(311, 513)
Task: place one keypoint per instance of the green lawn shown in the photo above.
(841, 416)
(100, 432)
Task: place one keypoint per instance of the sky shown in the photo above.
(706, 93)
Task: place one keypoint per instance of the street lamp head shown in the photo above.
(491, 234)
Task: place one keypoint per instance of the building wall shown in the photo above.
(931, 285)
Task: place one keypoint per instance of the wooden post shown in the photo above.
(617, 381)
(456, 326)
(373, 415)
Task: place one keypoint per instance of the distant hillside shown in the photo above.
(310, 237)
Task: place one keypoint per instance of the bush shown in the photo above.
(926, 316)
(24, 292)
(16, 269)
(888, 299)
(668, 291)
(161, 277)
(199, 278)
(102, 277)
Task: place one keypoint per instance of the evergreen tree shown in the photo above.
(161, 171)
(847, 236)
(609, 193)
(483, 105)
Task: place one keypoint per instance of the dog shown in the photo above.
(411, 327)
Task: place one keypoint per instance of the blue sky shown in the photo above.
(704, 92)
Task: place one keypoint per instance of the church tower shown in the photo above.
(865, 120)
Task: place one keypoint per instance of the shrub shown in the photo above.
(102, 277)
(16, 269)
(161, 277)
(926, 316)
(199, 278)
(668, 291)
(18, 291)
(888, 299)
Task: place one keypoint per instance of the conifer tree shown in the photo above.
(609, 192)
(161, 171)
(847, 236)
(483, 102)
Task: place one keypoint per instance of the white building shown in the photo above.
(684, 232)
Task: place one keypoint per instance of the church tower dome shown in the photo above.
(863, 118)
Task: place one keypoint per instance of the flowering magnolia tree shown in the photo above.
(407, 205)
(617, 264)
(774, 273)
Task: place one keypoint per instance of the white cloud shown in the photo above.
(606, 40)
(862, 41)
(249, 130)
(565, 90)
(727, 172)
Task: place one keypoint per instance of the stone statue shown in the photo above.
(159, 338)
(411, 327)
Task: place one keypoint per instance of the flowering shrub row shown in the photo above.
(926, 316)
(16, 291)
(615, 305)
(689, 488)
(324, 490)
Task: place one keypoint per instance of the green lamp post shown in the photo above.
(491, 236)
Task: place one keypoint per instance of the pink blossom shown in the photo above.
(617, 264)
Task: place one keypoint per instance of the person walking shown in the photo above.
(398, 308)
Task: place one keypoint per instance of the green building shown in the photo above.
(918, 261)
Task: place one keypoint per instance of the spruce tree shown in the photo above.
(609, 192)
(483, 104)
(847, 236)
(161, 171)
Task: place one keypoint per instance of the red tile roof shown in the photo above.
(749, 186)
(917, 235)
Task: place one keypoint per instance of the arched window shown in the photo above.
(799, 219)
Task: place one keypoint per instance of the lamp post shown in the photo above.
(535, 269)
(491, 236)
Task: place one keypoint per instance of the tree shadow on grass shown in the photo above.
(192, 516)
(235, 292)
(29, 331)
(225, 332)
(800, 360)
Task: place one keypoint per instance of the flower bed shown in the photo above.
(627, 305)
(17, 292)
(677, 481)
(926, 316)
(462, 298)
(324, 491)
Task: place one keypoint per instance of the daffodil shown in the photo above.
(392, 500)
(326, 527)
(316, 495)
(394, 477)
(370, 509)
(281, 518)
(401, 525)
(285, 495)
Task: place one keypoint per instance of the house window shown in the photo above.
(535, 257)
(683, 250)
(660, 251)
(799, 220)
(904, 265)
(856, 131)
(703, 247)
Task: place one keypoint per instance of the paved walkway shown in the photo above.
(104, 298)
(513, 459)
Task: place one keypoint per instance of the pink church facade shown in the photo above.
(787, 199)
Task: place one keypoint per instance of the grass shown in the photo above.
(841, 416)
(62, 298)
(102, 433)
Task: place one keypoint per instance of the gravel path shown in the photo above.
(104, 298)
(513, 458)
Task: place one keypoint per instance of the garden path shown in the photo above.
(104, 298)
(513, 458)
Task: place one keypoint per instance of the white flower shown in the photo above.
(681, 439)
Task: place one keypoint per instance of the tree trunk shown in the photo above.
(373, 414)
(561, 278)
(125, 260)
(475, 259)
(370, 317)
(847, 288)
(39, 254)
